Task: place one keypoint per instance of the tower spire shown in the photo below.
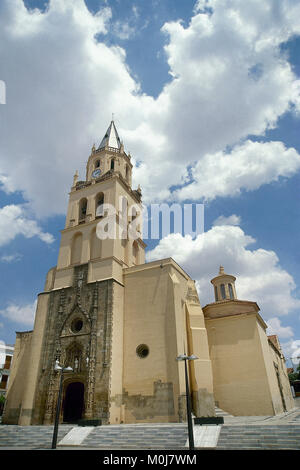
(111, 137)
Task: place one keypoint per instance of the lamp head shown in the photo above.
(192, 357)
(182, 357)
(185, 357)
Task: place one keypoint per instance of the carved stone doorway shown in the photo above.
(74, 402)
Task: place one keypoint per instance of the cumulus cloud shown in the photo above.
(231, 220)
(11, 258)
(260, 277)
(247, 166)
(62, 86)
(291, 351)
(227, 83)
(275, 328)
(23, 314)
(229, 80)
(14, 221)
(123, 30)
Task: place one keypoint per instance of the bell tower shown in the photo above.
(100, 209)
(81, 311)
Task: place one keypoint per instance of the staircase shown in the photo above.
(169, 436)
(141, 436)
(33, 437)
(259, 437)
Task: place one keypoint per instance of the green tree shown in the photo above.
(295, 375)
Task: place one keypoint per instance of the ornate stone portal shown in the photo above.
(75, 316)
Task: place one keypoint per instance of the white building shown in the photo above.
(6, 355)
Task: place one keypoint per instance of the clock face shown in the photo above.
(96, 173)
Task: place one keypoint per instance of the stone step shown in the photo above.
(34, 437)
(259, 437)
(138, 437)
(160, 436)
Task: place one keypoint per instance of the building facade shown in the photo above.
(249, 371)
(6, 356)
(120, 323)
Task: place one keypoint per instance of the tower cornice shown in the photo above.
(81, 185)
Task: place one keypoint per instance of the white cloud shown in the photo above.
(123, 30)
(230, 80)
(260, 277)
(275, 328)
(11, 258)
(291, 351)
(247, 166)
(23, 314)
(61, 99)
(230, 220)
(14, 221)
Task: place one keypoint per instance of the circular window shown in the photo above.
(76, 325)
(142, 351)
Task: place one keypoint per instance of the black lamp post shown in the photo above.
(185, 358)
(57, 367)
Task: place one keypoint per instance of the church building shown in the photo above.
(120, 324)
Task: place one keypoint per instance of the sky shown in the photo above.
(205, 96)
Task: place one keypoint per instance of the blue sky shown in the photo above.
(210, 86)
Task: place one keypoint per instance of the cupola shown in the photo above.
(224, 286)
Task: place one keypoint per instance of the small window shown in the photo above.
(82, 209)
(216, 294)
(230, 291)
(7, 362)
(76, 325)
(112, 164)
(223, 291)
(3, 383)
(97, 163)
(135, 252)
(99, 205)
(142, 351)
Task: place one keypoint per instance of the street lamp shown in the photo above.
(57, 368)
(185, 358)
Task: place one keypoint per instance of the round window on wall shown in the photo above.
(76, 325)
(142, 351)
